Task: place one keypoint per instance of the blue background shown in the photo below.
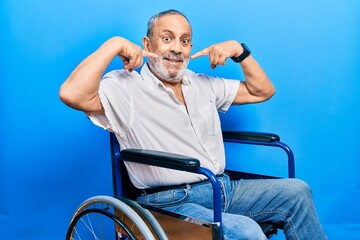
(53, 158)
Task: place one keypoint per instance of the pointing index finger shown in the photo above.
(201, 53)
(149, 54)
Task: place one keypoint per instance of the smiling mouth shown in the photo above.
(173, 60)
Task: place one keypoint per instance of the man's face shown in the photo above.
(171, 41)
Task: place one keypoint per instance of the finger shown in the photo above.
(214, 58)
(149, 54)
(133, 62)
(125, 60)
(128, 64)
(222, 60)
(201, 53)
(138, 61)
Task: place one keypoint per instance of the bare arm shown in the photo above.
(257, 87)
(80, 90)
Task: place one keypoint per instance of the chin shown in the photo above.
(172, 80)
(167, 73)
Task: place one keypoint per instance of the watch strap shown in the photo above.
(246, 52)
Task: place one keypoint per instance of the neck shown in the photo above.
(174, 85)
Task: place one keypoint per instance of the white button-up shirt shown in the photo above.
(145, 114)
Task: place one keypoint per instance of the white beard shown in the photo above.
(157, 67)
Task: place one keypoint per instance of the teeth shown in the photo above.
(173, 60)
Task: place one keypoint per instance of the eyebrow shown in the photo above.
(187, 34)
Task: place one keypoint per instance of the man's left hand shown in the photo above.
(218, 53)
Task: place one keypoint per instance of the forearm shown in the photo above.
(80, 90)
(257, 83)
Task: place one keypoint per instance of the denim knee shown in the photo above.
(298, 190)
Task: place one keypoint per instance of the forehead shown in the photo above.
(174, 23)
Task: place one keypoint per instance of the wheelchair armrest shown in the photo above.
(265, 139)
(161, 159)
(250, 136)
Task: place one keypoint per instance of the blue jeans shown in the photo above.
(284, 201)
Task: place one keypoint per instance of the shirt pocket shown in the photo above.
(210, 118)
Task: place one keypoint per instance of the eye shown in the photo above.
(185, 41)
(166, 38)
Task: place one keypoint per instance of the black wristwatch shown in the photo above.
(244, 54)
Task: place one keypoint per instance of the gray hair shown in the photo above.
(154, 18)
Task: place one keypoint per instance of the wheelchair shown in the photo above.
(120, 217)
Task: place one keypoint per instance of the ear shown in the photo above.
(146, 43)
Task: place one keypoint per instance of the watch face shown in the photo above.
(245, 47)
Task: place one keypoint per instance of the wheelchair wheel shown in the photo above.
(104, 217)
(148, 217)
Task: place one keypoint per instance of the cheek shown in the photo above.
(186, 53)
(159, 48)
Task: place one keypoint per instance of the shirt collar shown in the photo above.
(153, 81)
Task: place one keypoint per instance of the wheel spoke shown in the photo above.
(107, 218)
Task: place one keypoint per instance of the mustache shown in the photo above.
(173, 56)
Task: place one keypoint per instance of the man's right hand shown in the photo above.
(132, 55)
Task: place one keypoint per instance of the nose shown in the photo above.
(176, 47)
